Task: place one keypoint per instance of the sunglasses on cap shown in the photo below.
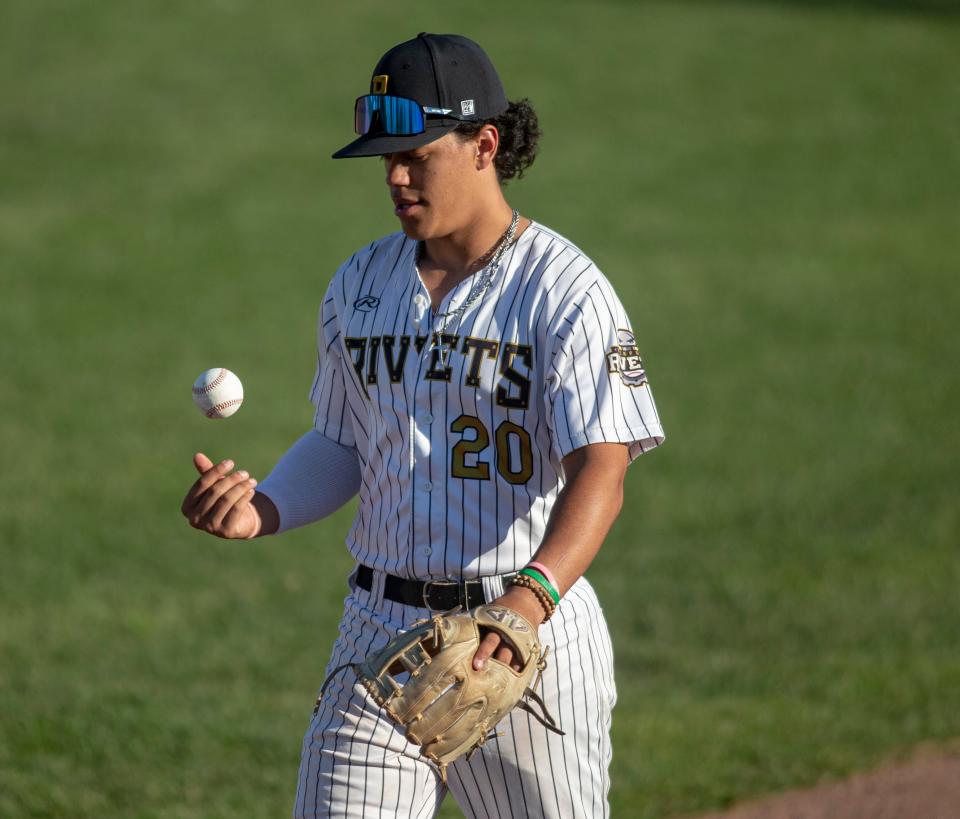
(398, 116)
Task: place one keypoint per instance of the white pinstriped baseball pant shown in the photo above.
(355, 764)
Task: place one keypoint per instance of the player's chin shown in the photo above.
(415, 226)
(411, 232)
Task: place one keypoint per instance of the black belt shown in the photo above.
(441, 595)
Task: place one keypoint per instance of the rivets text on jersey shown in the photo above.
(514, 362)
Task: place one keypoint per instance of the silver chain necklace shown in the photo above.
(482, 280)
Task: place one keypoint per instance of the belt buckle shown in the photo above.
(426, 591)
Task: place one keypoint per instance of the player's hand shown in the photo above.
(525, 603)
(220, 502)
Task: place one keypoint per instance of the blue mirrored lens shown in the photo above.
(390, 115)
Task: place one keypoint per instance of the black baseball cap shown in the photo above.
(443, 73)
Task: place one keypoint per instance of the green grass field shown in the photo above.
(773, 187)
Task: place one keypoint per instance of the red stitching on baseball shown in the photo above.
(213, 384)
(212, 411)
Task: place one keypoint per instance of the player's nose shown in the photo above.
(397, 171)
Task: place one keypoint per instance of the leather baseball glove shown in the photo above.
(446, 706)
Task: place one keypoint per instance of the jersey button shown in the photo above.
(426, 486)
(426, 418)
(427, 550)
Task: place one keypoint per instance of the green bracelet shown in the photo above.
(533, 574)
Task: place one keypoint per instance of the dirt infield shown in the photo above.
(927, 787)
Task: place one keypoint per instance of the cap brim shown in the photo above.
(380, 144)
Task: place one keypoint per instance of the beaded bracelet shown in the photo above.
(549, 607)
(542, 597)
(539, 578)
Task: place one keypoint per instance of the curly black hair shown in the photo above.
(519, 132)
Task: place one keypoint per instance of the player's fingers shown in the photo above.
(202, 463)
(505, 655)
(488, 645)
(243, 520)
(198, 512)
(195, 497)
(195, 494)
(213, 495)
(228, 501)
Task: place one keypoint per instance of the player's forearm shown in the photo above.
(584, 512)
(312, 480)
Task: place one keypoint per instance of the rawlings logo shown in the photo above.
(624, 358)
(366, 303)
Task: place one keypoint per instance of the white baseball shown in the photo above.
(218, 393)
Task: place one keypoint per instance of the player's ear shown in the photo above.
(487, 140)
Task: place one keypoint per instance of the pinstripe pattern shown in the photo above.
(461, 459)
(354, 764)
(552, 318)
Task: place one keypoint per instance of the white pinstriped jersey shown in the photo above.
(461, 422)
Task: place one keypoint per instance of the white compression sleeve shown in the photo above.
(312, 480)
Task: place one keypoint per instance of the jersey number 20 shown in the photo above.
(481, 469)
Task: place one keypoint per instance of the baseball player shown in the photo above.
(479, 386)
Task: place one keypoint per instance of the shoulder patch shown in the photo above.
(624, 359)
